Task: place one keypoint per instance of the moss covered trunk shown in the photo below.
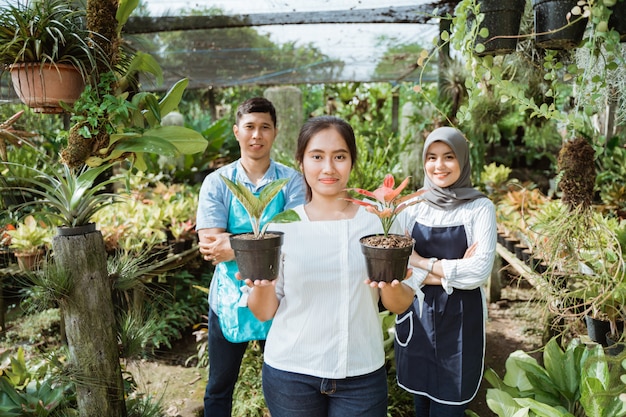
(90, 326)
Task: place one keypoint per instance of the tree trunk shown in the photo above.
(90, 326)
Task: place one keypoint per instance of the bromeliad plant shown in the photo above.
(388, 201)
(70, 197)
(255, 205)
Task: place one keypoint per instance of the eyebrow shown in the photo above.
(323, 151)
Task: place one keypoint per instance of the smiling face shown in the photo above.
(327, 163)
(255, 133)
(441, 165)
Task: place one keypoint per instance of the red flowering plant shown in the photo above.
(386, 203)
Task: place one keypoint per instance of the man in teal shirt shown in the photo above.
(220, 215)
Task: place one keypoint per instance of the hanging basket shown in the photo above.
(257, 258)
(552, 27)
(42, 87)
(502, 19)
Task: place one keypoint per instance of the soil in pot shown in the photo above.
(257, 258)
(387, 257)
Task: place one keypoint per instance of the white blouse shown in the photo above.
(327, 323)
(479, 220)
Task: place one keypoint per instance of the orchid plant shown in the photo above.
(388, 202)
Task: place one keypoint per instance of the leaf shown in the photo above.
(515, 376)
(502, 403)
(286, 216)
(187, 141)
(146, 143)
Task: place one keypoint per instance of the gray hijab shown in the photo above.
(462, 190)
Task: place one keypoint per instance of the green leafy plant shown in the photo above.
(255, 206)
(33, 391)
(388, 202)
(578, 381)
(71, 197)
(133, 126)
(47, 32)
(30, 236)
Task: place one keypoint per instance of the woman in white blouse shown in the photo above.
(324, 353)
(440, 340)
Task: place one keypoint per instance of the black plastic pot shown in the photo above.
(597, 329)
(617, 20)
(502, 19)
(552, 28)
(257, 258)
(614, 346)
(386, 263)
(76, 230)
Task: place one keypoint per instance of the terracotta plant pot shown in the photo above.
(386, 263)
(501, 18)
(257, 258)
(42, 87)
(552, 28)
(29, 261)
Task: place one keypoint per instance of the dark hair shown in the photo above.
(256, 105)
(316, 124)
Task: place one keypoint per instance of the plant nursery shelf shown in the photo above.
(520, 267)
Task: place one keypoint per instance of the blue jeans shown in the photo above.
(288, 394)
(425, 407)
(224, 362)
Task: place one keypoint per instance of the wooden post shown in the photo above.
(90, 326)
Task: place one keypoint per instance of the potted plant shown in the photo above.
(28, 242)
(258, 253)
(46, 46)
(387, 254)
(559, 24)
(499, 24)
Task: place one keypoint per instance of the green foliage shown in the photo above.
(378, 157)
(30, 236)
(255, 206)
(578, 380)
(248, 400)
(33, 391)
(134, 125)
(68, 196)
(36, 327)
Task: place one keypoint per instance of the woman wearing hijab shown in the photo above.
(440, 339)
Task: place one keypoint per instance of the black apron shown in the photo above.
(440, 354)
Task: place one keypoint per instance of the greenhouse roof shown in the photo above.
(272, 42)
